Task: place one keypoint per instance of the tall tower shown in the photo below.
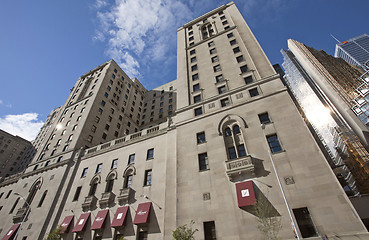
(355, 51)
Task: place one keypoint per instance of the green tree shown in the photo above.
(185, 232)
(268, 218)
(54, 234)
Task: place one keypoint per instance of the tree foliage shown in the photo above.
(185, 232)
(54, 234)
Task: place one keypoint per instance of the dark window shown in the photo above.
(198, 111)
(224, 102)
(192, 52)
(84, 172)
(142, 236)
(109, 185)
(229, 35)
(200, 137)
(215, 59)
(222, 89)
(194, 67)
(14, 206)
(98, 168)
(195, 77)
(305, 222)
(203, 161)
(236, 50)
(212, 51)
(103, 103)
(243, 68)
(241, 150)
(131, 158)
(217, 68)
(196, 87)
(7, 195)
(227, 27)
(193, 59)
(236, 129)
(150, 154)
(264, 118)
(190, 38)
(104, 136)
(222, 17)
(219, 78)
(114, 164)
(209, 230)
(42, 199)
(93, 189)
(228, 132)
(192, 43)
(190, 33)
(210, 43)
(76, 194)
(225, 22)
(233, 42)
(148, 177)
(254, 92)
(197, 98)
(232, 153)
(240, 59)
(248, 79)
(128, 182)
(274, 144)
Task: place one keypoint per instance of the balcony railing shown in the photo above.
(89, 203)
(240, 167)
(106, 199)
(21, 213)
(124, 195)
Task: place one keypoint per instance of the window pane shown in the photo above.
(241, 150)
(274, 143)
(203, 161)
(264, 118)
(150, 154)
(201, 137)
(305, 222)
(232, 153)
(236, 129)
(228, 132)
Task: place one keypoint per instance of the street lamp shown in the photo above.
(24, 218)
(280, 186)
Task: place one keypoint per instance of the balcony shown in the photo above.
(106, 199)
(19, 216)
(240, 167)
(89, 203)
(124, 195)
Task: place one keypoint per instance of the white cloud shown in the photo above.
(6, 105)
(140, 31)
(25, 125)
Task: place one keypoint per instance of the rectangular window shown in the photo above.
(212, 51)
(103, 103)
(233, 42)
(76, 194)
(98, 168)
(232, 153)
(192, 52)
(241, 150)
(193, 59)
(264, 118)
(243, 68)
(305, 222)
(150, 154)
(217, 68)
(196, 87)
(209, 230)
(236, 50)
(210, 43)
(203, 161)
(190, 38)
(195, 77)
(131, 159)
(190, 33)
(114, 164)
(8, 195)
(104, 136)
(248, 79)
(197, 98)
(240, 59)
(148, 177)
(219, 78)
(225, 22)
(224, 102)
(109, 186)
(84, 172)
(229, 35)
(274, 144)
(215, 59)
(222, 89)
(194, 67)
(198, 111)
(200, 137)
(254, 92)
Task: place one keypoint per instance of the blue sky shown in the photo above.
(46, 45)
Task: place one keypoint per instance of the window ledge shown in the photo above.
(278, 152)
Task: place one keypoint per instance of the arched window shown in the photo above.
(32, 192)
(93, 186)
(228, 132)
(110, 181)
(207, 31)
(128, 176)
(236, 129)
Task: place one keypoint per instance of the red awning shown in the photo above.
(65, 224)
(11, 233)
(142, 214)
(81, 223)
(100, 219)
(245, 194)
(120, 217)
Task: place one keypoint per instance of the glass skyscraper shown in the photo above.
(354, 51)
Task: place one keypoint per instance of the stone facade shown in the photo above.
(231, 119)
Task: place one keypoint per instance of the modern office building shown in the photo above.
(355, 51)
(218, 145)
(15, 154)
(325, 88)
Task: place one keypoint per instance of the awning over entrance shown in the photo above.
(11, 233)
(142, 214)
(120, 217)
(81, 223)
(66, 223)
(245, 194)
(100, 219)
